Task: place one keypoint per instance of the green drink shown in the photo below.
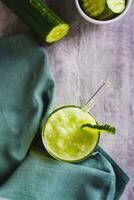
(63, 137)
(71, 133)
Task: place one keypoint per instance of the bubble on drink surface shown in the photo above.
(62, 130)
(60, 143)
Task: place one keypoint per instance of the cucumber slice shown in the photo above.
(57, 33)
(99, 128)
(93, 8)
(116, 6)
(107, 14)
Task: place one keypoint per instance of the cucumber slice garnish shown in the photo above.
(99, 128)
(116, 6)
(93, 8)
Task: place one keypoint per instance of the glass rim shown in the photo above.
(45, 144)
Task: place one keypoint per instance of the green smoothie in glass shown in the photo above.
(71, 134)
(63, 137)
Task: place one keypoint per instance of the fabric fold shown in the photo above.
(26, 94)
(41, 177)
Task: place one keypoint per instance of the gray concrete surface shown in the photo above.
(82, 61)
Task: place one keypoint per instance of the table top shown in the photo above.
(81, 62)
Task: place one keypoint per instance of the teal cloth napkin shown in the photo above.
(27, 172)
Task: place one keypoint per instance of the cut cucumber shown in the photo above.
(113, 8)
(99, 128)
(42, 20)
(116, 6)
(103, 9)
(107, 14)
(57, 33)
(93, 8)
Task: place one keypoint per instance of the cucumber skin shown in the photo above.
(106, 15)
(36, 14)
